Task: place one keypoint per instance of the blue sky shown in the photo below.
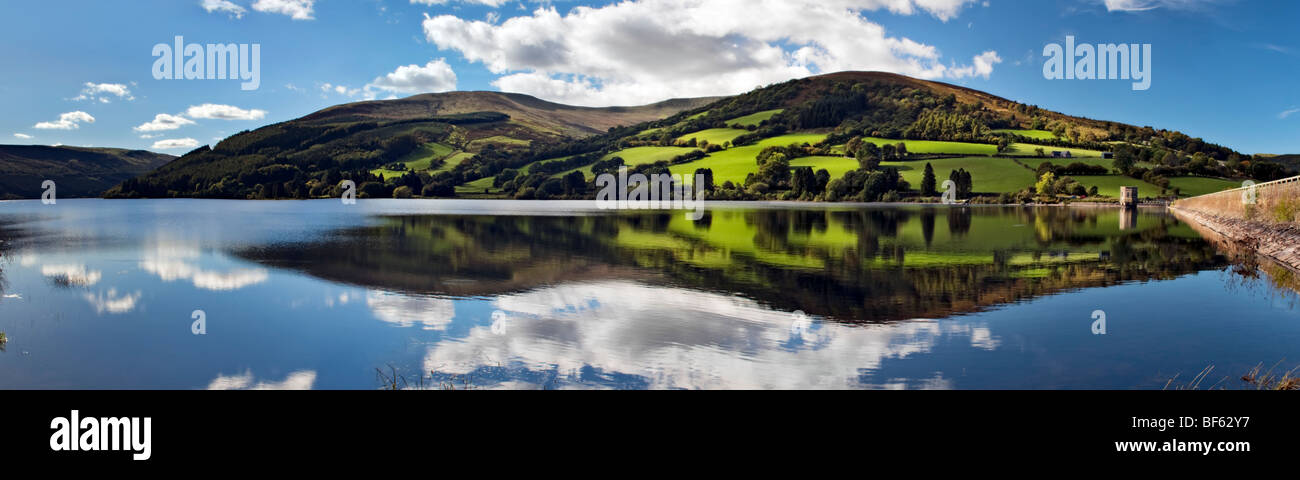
(1222, 70)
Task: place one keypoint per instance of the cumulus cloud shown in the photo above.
(224, 6)
(1144, 5)
(299, 380)
(435, 76)
(164, 122)
(642, 51)
(67, 121)
(981, 66)
(490, 3)
(223, 112)
(712, 341)
(23, 136)
(175, 143)
(113, 303)
(295, 9)
(103, 92)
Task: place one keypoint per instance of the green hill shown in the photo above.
(509, 145)
(379, 142)
(76, 171)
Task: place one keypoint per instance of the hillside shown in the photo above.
(375, 141)
(540, 116)
(863, 136)
(76, 171)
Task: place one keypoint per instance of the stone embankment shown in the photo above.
(1261, 217)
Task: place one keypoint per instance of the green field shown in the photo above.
(716, 136)
(419, 160)
(836, 166)
(737, 162)
(1034, 134)
(937, 147)
(451, 162)
(988, 174)
(754, 119)
(1194, 186)
(1028, 149)
(1108, 185)
(477, 186)
(499, 140)
(1062, 162)
(641, 155)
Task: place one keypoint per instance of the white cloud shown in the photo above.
(406, 310)
(299, 380)
(163, 122)
(295, 9)
(225, 6)
(713, 341)
(435, 76)
(67, 121)
(642, 51)
(174, 143)
(113, 303)
(490, 3)
(1287, 113)
(223, 112)
(101, 92)
(23, 136)
(981, 66)
(1144, 5)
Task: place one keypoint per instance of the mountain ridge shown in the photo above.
(438, 144)
(76, 171)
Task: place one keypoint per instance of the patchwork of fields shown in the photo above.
(990, 174)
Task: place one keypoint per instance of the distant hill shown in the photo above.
(542, 117)
(76, 171)
(359, 139)
(825, 128)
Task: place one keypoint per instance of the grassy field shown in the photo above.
(716, 136)
(1034, 134)
(1098, 162)
(1194, 186)
(500, 141)
(451, 162)
(735, 163)
(419, 160)
(477, 186)
(836, 166)
(989, 175)
(640, 155)
(1108, 185)
(932, 146)
(1028, 149)
(754, 119)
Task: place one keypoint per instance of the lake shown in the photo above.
(459, 294)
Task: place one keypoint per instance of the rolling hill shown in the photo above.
(511, 145)
(376, 140)
(76, 171)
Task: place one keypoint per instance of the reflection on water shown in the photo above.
(559, 295)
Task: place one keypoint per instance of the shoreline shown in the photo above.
(1278, 243)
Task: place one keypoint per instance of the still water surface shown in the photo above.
(503, 294)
